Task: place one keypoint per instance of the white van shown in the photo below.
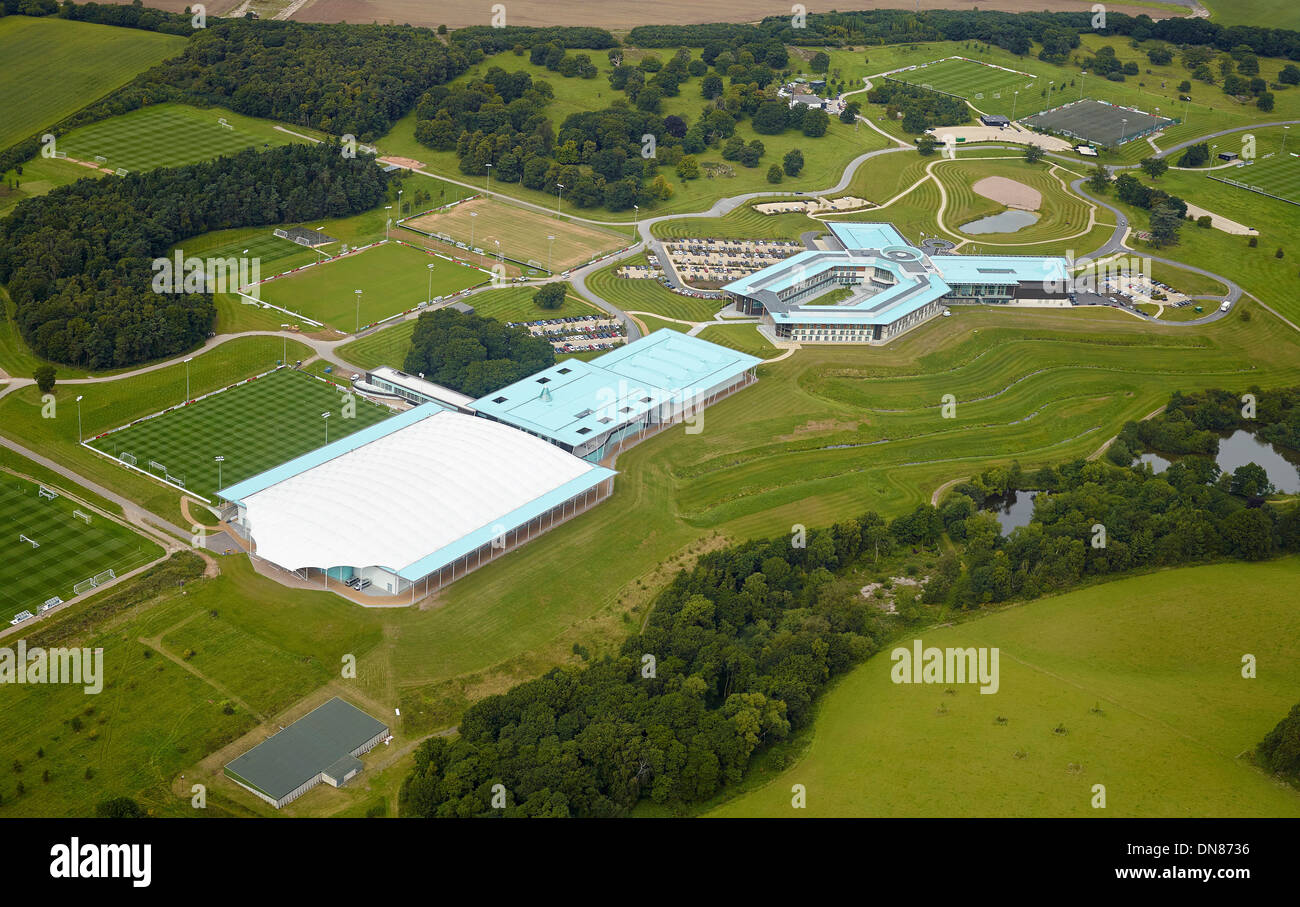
(1226, 305)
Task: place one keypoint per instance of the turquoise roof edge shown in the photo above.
(517, 517)
(287, 470)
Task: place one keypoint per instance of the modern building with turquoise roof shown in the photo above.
(870, 285)
(402, 508)
(590, 408)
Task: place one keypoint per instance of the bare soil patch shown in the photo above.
(1009, 192)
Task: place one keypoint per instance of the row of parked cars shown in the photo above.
(358, 583)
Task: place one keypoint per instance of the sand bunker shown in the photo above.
(1009, 192)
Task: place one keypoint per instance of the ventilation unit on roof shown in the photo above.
(498, 399)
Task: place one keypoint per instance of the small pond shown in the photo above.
(1016, 509)
(1238, 449)
(1009, 221)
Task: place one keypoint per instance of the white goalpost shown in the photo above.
(84, 586)
(84, 517)
(32, 542)
(127, 458)
(46, 493)
(101, 578)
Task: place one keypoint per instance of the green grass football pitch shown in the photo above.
(987, 87)
(70, 550)
(167, 135)
(1278, 175)
(255, 425)
(392, 278)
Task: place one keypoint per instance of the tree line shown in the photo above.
(473, 354)
(78, 261)
(1014, 32)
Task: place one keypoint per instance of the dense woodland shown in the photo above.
(473, 354)
(743, 644)
(1193, 423)
(920, 107)
(600, 157)
(78, 261)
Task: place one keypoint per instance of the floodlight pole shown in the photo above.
(1123, 129)
(399, 201)
(1015, 96)
(559, 198)
(489, 181)
(550, 240)
(472, 215)
(1081, 78)
(358, 294)
(1284, 132)
(79, 441)
(187, 379)
(428, 297)
(636, 221)
(326, 417)
(219, 460)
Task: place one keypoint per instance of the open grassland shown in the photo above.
(255, 426)
(522, 233)
(1264, 13)
(70, 550)
(1143, 675)
(393, 278)
(169, 135)
(115, 403)
(57, 67)
(39, 176)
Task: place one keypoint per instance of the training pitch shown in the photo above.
(70, 550)
(255, 425)
(1099, 122)
(522, 232)
(167, 135)
(1277, 175)
(392, 278)
(976, 82)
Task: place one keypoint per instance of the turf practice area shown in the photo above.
(1277, 175)
(68, 549)
(392, 277)
(167, 135)
(255, 425)
(522, 233)
(1099, 122)
(54, 67)
(968, 79)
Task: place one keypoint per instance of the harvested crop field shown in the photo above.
(1009, 192)
(623, 14)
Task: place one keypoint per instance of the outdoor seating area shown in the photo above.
(719, 261)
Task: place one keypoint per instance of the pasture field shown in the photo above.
(255, 426)
(1264, 13)
(70, 549)
(522, 233)
(392, 277)
(57, 67)
(1141, 674)
(979, 83)
(168, 135)
(1277, 176)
